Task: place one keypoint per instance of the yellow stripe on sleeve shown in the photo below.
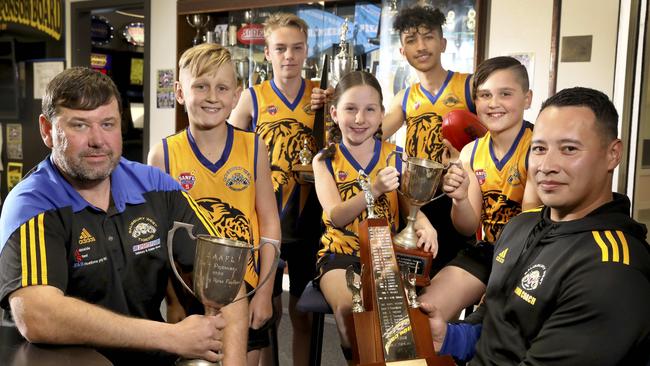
(535, 209)
(626, 250)
(601, 244)
(32, 252)
(199, 213)
(612, 241)
(43, 253)
(23, 253)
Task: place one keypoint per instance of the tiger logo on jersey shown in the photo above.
(229, 221)
(426, 137)
(283, 157)
(501, 208)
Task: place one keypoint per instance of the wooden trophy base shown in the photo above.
(304, 173)
(410, 258)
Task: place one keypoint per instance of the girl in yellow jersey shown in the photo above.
(355, 143)
(227, 172)
(490, 188)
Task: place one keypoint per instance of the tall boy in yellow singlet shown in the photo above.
(226, 171)
(279, 111)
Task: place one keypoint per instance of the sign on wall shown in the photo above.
(44, 16)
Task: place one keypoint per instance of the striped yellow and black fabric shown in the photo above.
(613, 246)
(33, 258)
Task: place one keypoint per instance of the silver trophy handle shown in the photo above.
(405, 160)
(170, 249)
(268, 275)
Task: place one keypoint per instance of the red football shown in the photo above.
(461, 127)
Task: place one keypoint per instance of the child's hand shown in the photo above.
(456, 182)
(387, 180)
(449, 154)
(319, 97)
(260, 310)
(427, 237)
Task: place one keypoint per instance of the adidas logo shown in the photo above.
(85, 237)
(502, 256)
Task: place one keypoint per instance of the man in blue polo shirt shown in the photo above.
(83, 240)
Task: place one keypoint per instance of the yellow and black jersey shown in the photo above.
(283, 126)
(225, 188)
(502, 181)
(424, 113)
(345, 171)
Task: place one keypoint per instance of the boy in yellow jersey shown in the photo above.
(490, 188)
(422, 107)
(227, 172)
(279, 111)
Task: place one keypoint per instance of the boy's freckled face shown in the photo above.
(208, 98)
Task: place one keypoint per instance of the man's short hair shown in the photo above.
(598, 102)
(280, 20)
(204, 59)
(419, 16)
(489, 66)
(78, 88)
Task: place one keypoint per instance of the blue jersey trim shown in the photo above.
(405, 100)
(213, 167)
(429, 96)
(460, 340)
(398, 160)
(129, 182)
(253, 125)
(256, 144)
(284, 100)
(166, 155)
(471, 159)
(500, 164)
(468, 95)
(371, 165)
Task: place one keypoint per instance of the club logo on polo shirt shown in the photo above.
(144, 230)
(85, 237)
(237, 178)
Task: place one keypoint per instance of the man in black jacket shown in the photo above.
(570, 282)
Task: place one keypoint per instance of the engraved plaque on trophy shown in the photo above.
(389, 331)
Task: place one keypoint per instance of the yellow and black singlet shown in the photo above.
(225, 188)
(424, 113)
(502, 181)
(345, 171)
(283, 126)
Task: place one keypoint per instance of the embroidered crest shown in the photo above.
(533, 277)
(481, 175)
(272, 109)
(343, 175)
(237, 178)
(187, 180)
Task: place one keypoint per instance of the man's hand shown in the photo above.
(319, 97)
(437, 324)
(260, 310)
(456, 182)
(199, 336)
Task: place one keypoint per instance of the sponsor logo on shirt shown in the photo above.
(85, 237)
(146, 247)
(514, 178)
(272, 109)
(82, 258)
(343, 175)
(237, 178)
(143, 229)
(187, 180)
(416, 106)
(481, 175)
(501, 257)
(450, 100)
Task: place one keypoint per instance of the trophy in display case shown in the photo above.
(200, 23)
(219, 268)
(418, 185)
(331, 72)
(388, 328)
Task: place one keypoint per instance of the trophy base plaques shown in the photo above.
(416, 261)
(304, 173)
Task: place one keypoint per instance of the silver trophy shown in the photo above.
(343, 62)
(355, 288)
(200, 23)
(419, 184)
(364, 182)
(219, 268)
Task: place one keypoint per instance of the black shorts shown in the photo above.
(258, 338)
(336, 261)
(450, 241)
(477, 260)
(300, 257)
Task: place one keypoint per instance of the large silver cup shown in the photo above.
(219, 268)
(419, 184)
